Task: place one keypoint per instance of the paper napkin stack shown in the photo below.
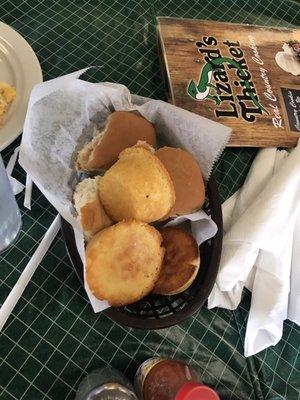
(261, 248)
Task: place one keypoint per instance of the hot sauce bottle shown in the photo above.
(166, 379)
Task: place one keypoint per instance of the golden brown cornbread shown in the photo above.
(123, 262)
(137, 186)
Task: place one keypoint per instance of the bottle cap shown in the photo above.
(196, 391)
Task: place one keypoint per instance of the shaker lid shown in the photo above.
(196, 391)
(111, 391)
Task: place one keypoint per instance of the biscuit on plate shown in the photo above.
(123, 262)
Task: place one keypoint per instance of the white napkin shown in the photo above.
(17, 187)
(259, 248)
(202, 226)
(294, 297)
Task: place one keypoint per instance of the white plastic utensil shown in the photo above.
(29, 270)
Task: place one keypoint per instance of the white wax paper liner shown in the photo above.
(63, 115)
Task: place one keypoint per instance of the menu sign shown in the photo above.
(243, 76)
(291, 98)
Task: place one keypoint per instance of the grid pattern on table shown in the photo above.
(53, 339)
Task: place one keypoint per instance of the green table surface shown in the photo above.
(53, 339)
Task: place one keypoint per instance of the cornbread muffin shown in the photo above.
(123, 262)
(137, 186)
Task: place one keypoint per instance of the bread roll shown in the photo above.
(123, 262)
(187, 178)
(137, 187)
(123, 129)
(180, 264)
(89, 208)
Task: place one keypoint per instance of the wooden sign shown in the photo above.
(244, 76)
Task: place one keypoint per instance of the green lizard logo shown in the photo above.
(202, 89)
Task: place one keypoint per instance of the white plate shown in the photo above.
(20, 68)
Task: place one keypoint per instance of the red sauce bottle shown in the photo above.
(165, 379)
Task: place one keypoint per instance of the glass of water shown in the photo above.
(10, 216)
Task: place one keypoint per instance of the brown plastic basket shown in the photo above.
(155, 311)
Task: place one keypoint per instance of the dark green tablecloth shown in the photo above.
(52, 339)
